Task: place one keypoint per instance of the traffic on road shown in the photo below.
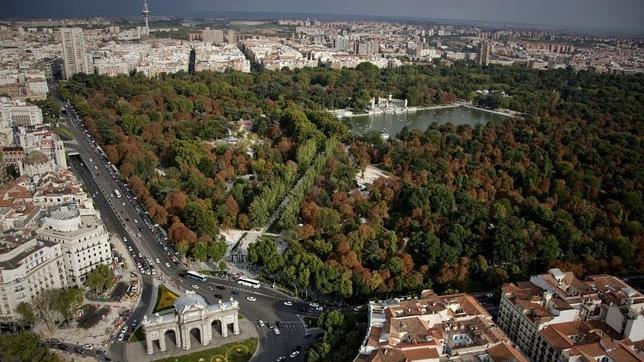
(157, 260)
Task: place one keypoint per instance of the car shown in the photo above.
(319, 308)
(100, 351)
(121, 337)
(139, 235)
(88, 346)
(134, 323)
(62, 347)
(154, 272)
(195, 286)
(218, 296)
(79, 350)
(276, 331)
(234, 292)
(129, 248)
(220, 287)
(280, 359)
(357, 308)
(308, 334)
(288, 303)
(140, 255)
(158, 261)
(123, 203)
(210, 288)
(167, 265)
(278, 324)
(294, 354)
(136, 221)
(260, 322)
(313, 305)
(251, 299)
(124, 329)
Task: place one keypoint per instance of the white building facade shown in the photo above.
(82, 237)
(27, 268)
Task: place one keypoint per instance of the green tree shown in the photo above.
(27, 313)
(67, 302)
(100, 279)
(23, 347)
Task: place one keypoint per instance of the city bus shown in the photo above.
(248, 282)
(196, 276)
(117, 193)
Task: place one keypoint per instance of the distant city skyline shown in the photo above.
(615, 15)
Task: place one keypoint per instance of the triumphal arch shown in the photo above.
(192, 317)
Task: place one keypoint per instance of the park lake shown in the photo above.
(391, 124)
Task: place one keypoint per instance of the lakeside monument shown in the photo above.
(191, 314)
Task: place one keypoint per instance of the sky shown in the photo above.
(624, 15)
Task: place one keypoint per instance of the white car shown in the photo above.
(277, 331)
(313, 305)
(294, 354)
(158, 261)
(121, 337)
(319, 308)
(88, 346)
(251, 299)
(288, 303)
(260, 322)
(167, 265)
(195, 286)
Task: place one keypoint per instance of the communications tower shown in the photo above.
(146, 14)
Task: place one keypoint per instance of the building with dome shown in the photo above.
(191, 317)
(82, 237)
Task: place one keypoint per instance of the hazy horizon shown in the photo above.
(616, 15)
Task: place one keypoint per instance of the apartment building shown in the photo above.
(553, 313)
(14, 113)
(434, 328)
(43, 148)
(82, 237)
(27, 268)
(75, 58)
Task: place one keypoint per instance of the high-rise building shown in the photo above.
(230, 36)
(212, 36)
(341, 42)
(485, 50)
(74, 56)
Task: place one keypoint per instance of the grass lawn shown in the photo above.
(165, 299)
(232, 352)
(64, 133)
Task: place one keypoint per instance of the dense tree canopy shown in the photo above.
(464, 208)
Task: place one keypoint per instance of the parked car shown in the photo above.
(288, 303)
(260, 322)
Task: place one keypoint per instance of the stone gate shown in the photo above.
(191, 313)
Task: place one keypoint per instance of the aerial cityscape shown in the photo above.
(289, 180)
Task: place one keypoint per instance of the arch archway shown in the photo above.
(171, 338)
(216, 328)
(195, 334)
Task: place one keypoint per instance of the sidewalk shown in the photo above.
(135, 351)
